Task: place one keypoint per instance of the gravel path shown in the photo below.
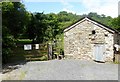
(64, 70)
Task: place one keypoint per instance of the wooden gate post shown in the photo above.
(49, 51)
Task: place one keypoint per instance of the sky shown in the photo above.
(79, 7)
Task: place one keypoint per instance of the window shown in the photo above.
(106, 35)
(93, 32)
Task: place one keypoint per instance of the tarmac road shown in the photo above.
(68, 69)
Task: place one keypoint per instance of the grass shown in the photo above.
(15, 76)
(116, 62)
(24, 41)
(117, 58)
(22, 75)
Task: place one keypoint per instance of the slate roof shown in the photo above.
(96, 22)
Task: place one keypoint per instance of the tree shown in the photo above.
(63, 16)
(13, 23)
(14, 17)
(37, 27)
(7, 44)
(115, 23)
(53, 26)
(101, 18)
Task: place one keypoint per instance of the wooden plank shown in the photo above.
(117, 58)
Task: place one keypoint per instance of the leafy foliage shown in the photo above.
(7, 44)
(14, 16)
(37, 27)
(53, 26)
(18, 23)
(116, 23)
(14, 19)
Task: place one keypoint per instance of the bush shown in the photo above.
(7, 46)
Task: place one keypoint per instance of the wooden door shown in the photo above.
(99, 52)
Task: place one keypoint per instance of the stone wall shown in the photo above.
(109, 49)
(79, 41)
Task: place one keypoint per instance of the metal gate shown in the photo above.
(99, 52)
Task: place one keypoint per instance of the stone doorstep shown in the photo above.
(83, 57)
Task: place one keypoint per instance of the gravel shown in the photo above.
(68, 69)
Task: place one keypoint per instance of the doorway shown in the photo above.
(99, 52)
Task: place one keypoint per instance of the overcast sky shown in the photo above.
(107, 7)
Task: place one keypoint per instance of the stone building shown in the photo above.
(90, 40)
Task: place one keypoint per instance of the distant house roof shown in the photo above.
(94, 22)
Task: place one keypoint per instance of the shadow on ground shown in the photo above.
(12, 66)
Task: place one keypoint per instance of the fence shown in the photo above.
(117, 58)
(32, 54)
(42, 52)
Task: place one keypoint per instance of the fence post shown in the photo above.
(49, 51)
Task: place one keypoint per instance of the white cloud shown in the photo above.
(51, 0)
(109, 10)
(107, 7)
(91, 3)
(67, 6)
(69, 11)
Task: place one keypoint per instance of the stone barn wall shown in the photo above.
(79, 41)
